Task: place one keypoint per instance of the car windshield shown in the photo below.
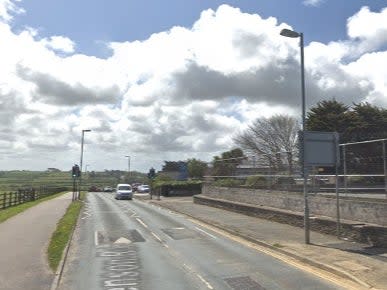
(124, 187)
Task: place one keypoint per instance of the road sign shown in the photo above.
(320, 148)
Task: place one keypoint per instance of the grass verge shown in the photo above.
(12, 211)
(62, 234)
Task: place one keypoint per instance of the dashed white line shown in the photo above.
(205, 282)
(203, 231)
(157, 237)
(96, 238)
(141, 222)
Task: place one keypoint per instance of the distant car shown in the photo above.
(135, 186)
(108, 189)
(143, 189)
(124, 191)
(94, 188)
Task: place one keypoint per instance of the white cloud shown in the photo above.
(59, 43)
(314, 3)
(369, 29)
(8, 8)
(178, 94)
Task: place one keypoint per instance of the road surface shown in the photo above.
(129, 245)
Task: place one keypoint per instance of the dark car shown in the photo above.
(94, 188)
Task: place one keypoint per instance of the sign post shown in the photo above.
(151, 176)
(75, 173)
(319, 149)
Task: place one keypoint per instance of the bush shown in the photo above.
(177, 187)
(256, 181)
(365, 181)
(285, 180)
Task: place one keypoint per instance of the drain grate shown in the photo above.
(243, 283)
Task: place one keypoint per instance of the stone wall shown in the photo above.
(373, 235)
(363, 211)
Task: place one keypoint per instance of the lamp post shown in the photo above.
(294, 34)
(127, 156)
(82, 141)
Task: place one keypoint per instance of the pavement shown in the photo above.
(23, 242)
(361, 263)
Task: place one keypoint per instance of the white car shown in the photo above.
(124, 191)
(108, 189)
(143, 189)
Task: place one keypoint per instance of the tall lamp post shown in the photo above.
(127, 156)
(80, 178)
(294, 34)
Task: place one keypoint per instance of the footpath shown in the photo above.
(359, 263)
(23, 242)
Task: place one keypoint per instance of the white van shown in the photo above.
(124, 191)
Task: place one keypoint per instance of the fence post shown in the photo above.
(345, 169)
(384, 166)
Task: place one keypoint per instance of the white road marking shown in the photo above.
(157, 237)
(96, 238)
(141, 222)
(123, 240)
(178, 228)
(205, 282)
(203, 231)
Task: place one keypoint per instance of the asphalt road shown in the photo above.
(122, 245)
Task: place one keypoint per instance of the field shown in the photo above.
(14, 180)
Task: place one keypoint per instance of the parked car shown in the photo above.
(108, 189)
(135, 186)
(94, 188)
(143, 189)
(124, 191)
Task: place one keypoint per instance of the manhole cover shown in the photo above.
(180, 233)
(243, 283)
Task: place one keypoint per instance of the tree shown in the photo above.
(369, 122)
(196, 168)
(171, 166)
(226, 163)
(269, 139)
(359, 122)
(329, 116)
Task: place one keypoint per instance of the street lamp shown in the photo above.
(127, 156)
(83, 138)
(294, 34)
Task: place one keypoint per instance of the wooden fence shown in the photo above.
(8, 199)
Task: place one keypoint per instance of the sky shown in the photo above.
(170, 79)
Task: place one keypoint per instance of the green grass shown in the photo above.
(14, 210)
(277, 245)
(62, 234)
